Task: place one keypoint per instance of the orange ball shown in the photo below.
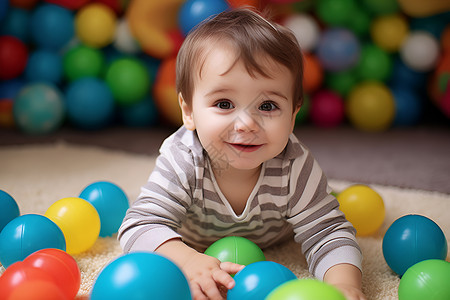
(165, 94)
(313, 73)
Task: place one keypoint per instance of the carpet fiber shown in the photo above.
(38, 175)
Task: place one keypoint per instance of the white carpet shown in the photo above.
(37, 176)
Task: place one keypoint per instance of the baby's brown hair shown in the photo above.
(252, 36)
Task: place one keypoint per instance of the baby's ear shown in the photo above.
(187, 113)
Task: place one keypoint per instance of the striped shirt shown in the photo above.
(290, 199)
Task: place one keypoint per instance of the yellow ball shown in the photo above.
(370, 106)
(363, 207)
(78, 220)
(389, 31)
(96, 25)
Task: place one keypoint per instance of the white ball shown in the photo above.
(420, 51)
(305, 29)
(124, 41)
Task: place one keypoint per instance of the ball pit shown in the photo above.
(193, 12)
(83, 61)
(141, 275)
(363, 207)
(305, 289)
(78, 220)
(235, 249)
(258, 279)
(36, 232)
(427, 279)
(111, 203)
(10, 209)
(411, 239)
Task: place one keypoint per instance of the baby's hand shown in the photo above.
(208, 277)
(351, 292)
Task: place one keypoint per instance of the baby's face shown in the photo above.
(241, 120)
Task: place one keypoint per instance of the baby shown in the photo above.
(235, 168)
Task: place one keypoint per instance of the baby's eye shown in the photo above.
(224, 104)
(268, 106)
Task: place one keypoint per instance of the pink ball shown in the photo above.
(327, 109)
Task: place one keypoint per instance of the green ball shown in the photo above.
(82, 61)
(360, 23)
(374, 63)
(341, 82)
(336, 12)
(303, 113)
(381, 7)
(305, 289)
(128, 80)
(428, 279)
(235, 249)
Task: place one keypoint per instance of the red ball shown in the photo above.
(69, 4)
(13, 57)
(60, 266)
(327, 109)
(37, 290)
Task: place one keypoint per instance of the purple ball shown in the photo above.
(338, 49)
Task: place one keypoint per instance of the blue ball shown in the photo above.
(412, 239)
(140, 276)
(403, 75)
(3, 8)
(9, 89)
(16, 23)
(193, 12)
(39, 108)
(51, 26)
(27, 234)
(111, 203)
(338, 49)
(90, 103)
(44, 66)
(258, 279)
(408, 106)
(141, 114)
(10, 209)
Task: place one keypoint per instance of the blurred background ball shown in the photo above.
(13, 57)
(338, 49)
(408, 105)
(370, 106)
(374, 64)
(327, 109)
(27, 234)
(420, 51)
(389, 31)
(124, 41)
(51, 26)
(111, 203)
(16, 23)
(39, 108)
(10, 209)
(141, 114)
(83, 61)
(305, 29)
(312, 67)
(90, 103)
(335, 12)
(341, 82)
(95, 25)
(44, 65)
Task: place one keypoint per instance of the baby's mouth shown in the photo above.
(245, 147)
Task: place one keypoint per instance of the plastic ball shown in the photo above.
(25, 4)
(3, 9)
(39, 108)
(78, 220)
(427, 279)
(303, 114)
(313, 68)
(305, 289)
(363, 207)
(45, 66)
(165, 94)
(9, 89)
(10, 209)
(360, 22)
(341, 82)
(327, 109)
(420, 51)
(370, 106)
(90, 103)
(404, 75)
(51, 26)
(27, 234)
(19, 277)
(389, 31)
(83, 61)
(128, 80)
(111, 203)
(338, 49)
(124, 41)
(305, 29)
(69, 4)
(13, 57)
(412, 239)
(408, 105)
(6, 115)
(193, 12)
(335, 12)
(16, 23)
(141, 275)
(235, 249)
(62, 268)
(258, 279)
(374, 63)
(381, 7)
(141, 114)
(95, 25)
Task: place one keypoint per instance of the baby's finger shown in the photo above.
(210, 289)
(223, 278)
(197, 292)
(231, 268)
